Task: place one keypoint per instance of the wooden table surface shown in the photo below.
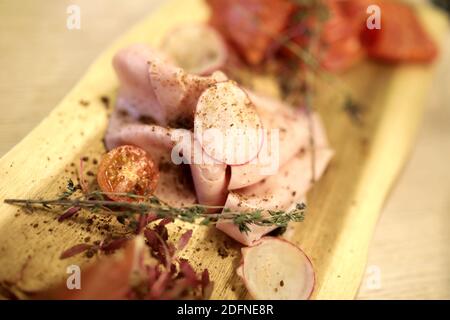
(40, 60)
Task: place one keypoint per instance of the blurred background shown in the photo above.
(40, 60)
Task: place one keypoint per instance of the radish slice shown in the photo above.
(197, 48)
(275, 269)
(227, 125)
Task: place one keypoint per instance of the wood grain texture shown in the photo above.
(345, 200)
(411, 247)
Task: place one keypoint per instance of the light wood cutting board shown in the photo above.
(343, 206)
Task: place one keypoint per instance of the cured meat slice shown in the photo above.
(156, 140)
(286, 132)
(210, 177)
(278, 192)
(135, 94)
(211, 183)
(175, 186)
(152, 86)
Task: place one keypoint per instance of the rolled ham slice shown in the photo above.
(276, 107)
(210, 176)
(173, 187)
(136, 95)
(286, 132)
(156, 140)
(210, 183)
(278, 192)
(152, 86)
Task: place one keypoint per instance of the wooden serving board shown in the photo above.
(343, 207)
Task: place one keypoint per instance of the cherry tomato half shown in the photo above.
(127, 169)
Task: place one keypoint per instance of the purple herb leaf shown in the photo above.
(69, 213)
(161, 230)
(207, 285)
(151, 217)
(113, 245)
(165, 221)
(188, 272)
(205, 278)
(153, 272)
(157, 248)
(160, 285)
(76, 249)
(152, 239)
(184, 239)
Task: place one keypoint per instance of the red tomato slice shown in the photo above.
(251, 25)
(127, 169)
(342, 55)
(341, 46)
(339, 26)
(401, 37)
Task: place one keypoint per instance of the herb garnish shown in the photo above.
(97, 202)
(70, 190)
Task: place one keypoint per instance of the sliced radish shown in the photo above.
(197, 48)
(227, 125)
(275, 269)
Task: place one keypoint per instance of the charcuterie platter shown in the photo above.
(336, 165)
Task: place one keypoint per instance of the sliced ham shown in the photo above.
(276, 107)
(211, 184)
(178, 91)
(174, 186)
(210, 177)
(292, 134)
(158, 141)
(278, 192)
(135, 93)
(151, 86)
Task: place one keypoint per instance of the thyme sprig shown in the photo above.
(70, 190)
(97, 202)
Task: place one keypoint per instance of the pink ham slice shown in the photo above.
(154, 87)
(292, 135)
(279, 192)
(156, 140)
(210, 177)
(173, 187)
(136, 95)
(211, 183)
